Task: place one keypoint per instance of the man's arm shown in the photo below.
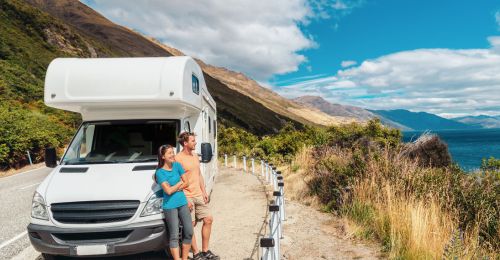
(185, 181)
(202, 187)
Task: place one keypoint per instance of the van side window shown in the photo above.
(187, 126)
(196, 84)
(209, 125)
(215, 129)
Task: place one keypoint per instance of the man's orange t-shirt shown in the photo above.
(191, 165)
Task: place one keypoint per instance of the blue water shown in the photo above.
(467, 147)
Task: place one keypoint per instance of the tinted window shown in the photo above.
(196, 84)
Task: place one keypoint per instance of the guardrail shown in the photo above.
(269, 243)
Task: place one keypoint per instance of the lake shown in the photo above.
(467, 147)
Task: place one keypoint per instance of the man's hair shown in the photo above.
(184, 137)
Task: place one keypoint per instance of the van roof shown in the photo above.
(103, 88)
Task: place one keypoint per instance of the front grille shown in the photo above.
(93, 237)
(92, 212)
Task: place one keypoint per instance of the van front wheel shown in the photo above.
(48, 257)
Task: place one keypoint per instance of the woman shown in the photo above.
(175, 205)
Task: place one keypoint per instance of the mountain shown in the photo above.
(236, 95)
(34, 32)
(421, 121)
(482, 121)
(400, 118)
(355, 113)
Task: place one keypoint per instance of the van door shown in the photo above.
(207, 137)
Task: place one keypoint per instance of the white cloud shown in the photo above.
(442, 81)
(260, 38)
(347, 63)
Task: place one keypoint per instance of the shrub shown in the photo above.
(22, 130)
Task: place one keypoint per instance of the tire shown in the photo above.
(48, 257)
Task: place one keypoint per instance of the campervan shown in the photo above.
(100, 198)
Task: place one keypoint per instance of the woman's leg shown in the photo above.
(172, 219)
(187, 230)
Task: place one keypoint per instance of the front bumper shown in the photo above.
(123, 240)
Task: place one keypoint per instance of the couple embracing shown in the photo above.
(184, 197)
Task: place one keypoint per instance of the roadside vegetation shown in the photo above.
(410, 197)
(30, 39)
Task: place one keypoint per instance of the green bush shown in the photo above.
(24, 130)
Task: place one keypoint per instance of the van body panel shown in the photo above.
(106, 181)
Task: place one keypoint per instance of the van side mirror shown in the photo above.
(206, 152)
(50, 157)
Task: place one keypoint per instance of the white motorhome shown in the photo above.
(100, 199)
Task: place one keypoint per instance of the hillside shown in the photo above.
(234, 93)
(482, 121)
(34, 32)
(345, 111)
(29, 40)
(421, 121)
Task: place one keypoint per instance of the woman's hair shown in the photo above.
(161, 152)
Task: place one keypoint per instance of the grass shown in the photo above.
(415, 211)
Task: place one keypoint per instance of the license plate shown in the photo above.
(92, 250)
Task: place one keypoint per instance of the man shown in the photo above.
(196, 194)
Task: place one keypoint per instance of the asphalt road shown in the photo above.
(233, 219)
(16, 192)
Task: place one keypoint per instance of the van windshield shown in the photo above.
(120, 141)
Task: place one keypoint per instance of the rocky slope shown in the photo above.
(345, 111)
(236, 95)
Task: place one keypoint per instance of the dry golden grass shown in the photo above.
(296, 177)
(413, 228)
(380, 205)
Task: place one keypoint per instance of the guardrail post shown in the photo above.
(274, 228)
(273, 179)
(244, 163)
(270, 173)
(234, 161)
(253, 165)
(276, 179)
(281, 187)
(225, 159)
(277, 194)
(267, 172)
(261, 167)
(267, 245)
(29, 157)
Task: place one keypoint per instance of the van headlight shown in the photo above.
(154, 205)
(38, 207)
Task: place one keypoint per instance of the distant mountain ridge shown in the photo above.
(360, 114)
(399, 118)
(483, 121)
(421, 121)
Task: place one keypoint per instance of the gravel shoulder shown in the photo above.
(311, 234)
(238, 204)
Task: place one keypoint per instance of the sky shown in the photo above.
(439, 56)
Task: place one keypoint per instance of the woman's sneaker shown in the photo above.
(210, 255)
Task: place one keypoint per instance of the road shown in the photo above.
(237, 225)
(16, 192)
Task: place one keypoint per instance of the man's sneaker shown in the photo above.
(199, 256)
(210, 255)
